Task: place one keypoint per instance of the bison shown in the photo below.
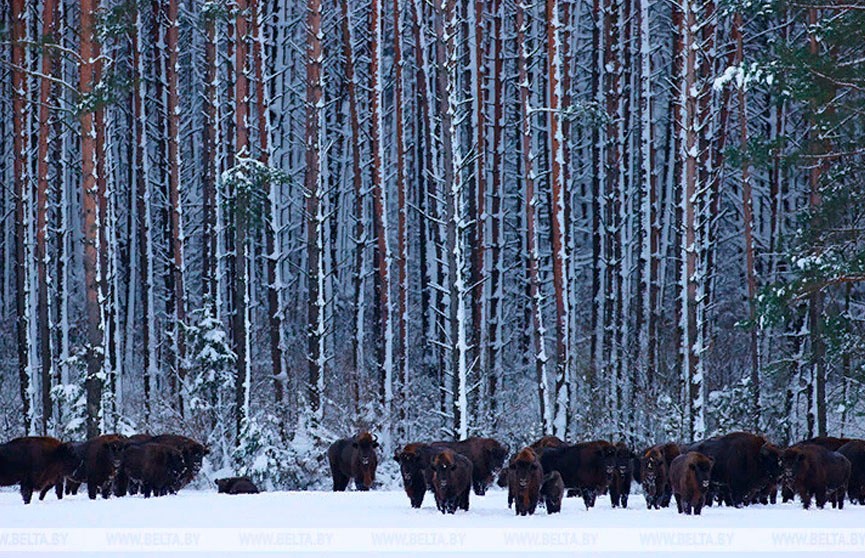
(36, 464)
(452, 481)
(353, 459)
(738, 471)
(552, 492)
(102, 459)
(653, 474)
(487, 456)
(586, 467)
(193, 454)
(236, 485)
(690, 476)
(415, 465)
(854, 451)
(623, 472)
(525, 477)
(158, 469)
(548, 442)
(814, 471)
(831, 443)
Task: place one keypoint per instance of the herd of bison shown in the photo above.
(736, 469)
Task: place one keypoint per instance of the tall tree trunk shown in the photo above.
(95, 353)
(475, 22)
(380, 222)
(49, 12)
(558, 228)
(530, 211)
(210, 130)
(21, 168)
(314, 214)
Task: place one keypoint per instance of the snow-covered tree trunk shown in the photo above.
(210, 130)
(21, 171)
(314, 192)
(383, 254)
(95, 324)
(558, 228)
(359, 272)
(43, 308)
(530, 216)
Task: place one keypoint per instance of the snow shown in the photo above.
(363, 515)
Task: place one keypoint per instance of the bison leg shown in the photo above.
(614, 495)
(624, 499)
(58, 490)
(340, 482)
(107, 488)
(45, 491)
(26, 491)
(679, 505)
(121, 484)
(805, 496)
(92, 490)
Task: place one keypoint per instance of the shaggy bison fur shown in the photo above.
(690, 476)
(353, 459)
(552, 492)
(452, 480)
(812, 471)
(36, 464)
(585, 467)
(524, 481)
(653, 474)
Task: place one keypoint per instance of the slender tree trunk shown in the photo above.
(530, 210)
(558, 196)
(95, 354)
(475, 21)
(314, 215)
(210, 130)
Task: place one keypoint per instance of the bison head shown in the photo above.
(608, 456)
(364, 460)
(770, 462)
(523, 467)
(794, 463)
(624, 461)
(702, 469)
(652, 466)
(411, 463)
(444, 466)
(114, 449)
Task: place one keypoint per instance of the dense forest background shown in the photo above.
(268, 223)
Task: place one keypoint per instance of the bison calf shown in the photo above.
(654, 474)
(623, 472)
(452, 481)
(552, 492)
(690, 475)
(353, 458)
(814, 471)
(524, 481)
(236, 485)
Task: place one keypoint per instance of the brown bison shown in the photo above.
(102, 458)
(586, 467)
(158, 469)
(452, 480)
(552, 492)
(236, 485)
(854, 451)
(814, 471)
(653, 474)
(525, 477)
(487, 457)
(36, 464)
(765, 490)
(353, 458)
(738, 472)
(548, 442)
(415, 466)
(831, 443)
(193, 454)
(690, 475)
(623, 473)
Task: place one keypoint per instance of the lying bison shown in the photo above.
(452, 480)
(525, 477)
(690, 476)
(353, 459)
(653, 474)
(236, 485)
(36, 464)
(586, 467)
(812, 471)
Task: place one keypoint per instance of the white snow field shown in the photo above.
(382, 521)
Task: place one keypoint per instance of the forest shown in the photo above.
(272, 223)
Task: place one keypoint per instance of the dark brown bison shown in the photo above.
(353, 458)
(102, 458)
(765, 489)
(452, 480)
(236, 485)
(193, 453)
(738, 471)
(487, 457)
(586, 467)
(653, 474)
(36, 464)
(854, 451)
(415, 466)
(831, 443)
(158, 469)
(548, 442)
(812, 471)
(552, 492)
(77, 475)
(690, 476)
(524, 481)
(623, 473)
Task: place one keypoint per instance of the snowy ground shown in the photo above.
(381, 521)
